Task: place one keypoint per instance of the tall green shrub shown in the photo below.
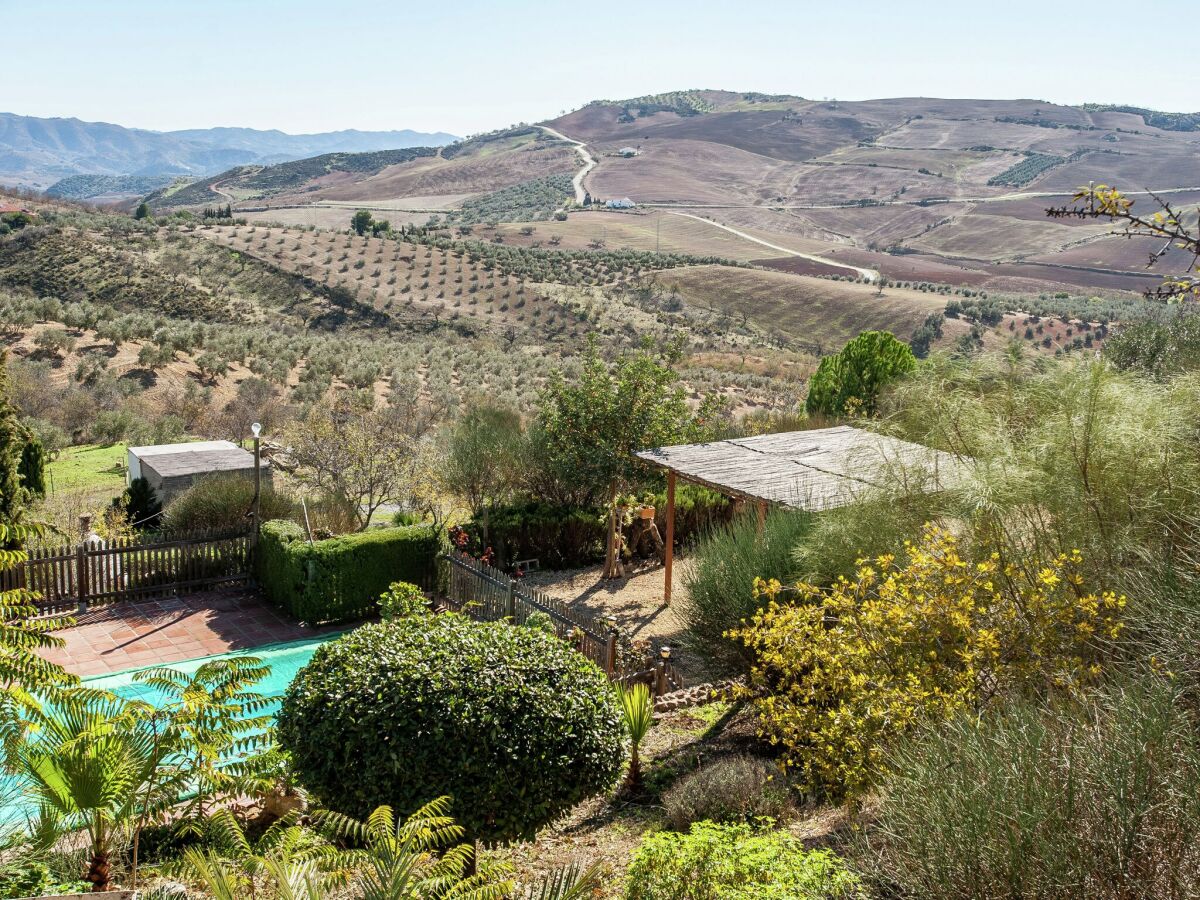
(483, 452)
(224, 503)
(341, 579)
(511, 723)
(140, 503)
(565, 536)
(720, 577)
(560, 537)
(849, 381)
(14, 496)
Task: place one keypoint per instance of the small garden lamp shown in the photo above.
(660, 678)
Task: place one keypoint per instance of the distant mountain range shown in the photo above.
(37, 153)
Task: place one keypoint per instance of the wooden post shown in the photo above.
(660, 678)
(610, 654)
(81, 577)
(762, 515)
(510, 601)
(669, 540)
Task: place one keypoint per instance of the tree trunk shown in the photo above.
(98, 872)
(612, 557)
(633, 779)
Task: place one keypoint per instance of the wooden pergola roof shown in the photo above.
(811, 470)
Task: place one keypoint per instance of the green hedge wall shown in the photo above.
(564, 537)
(340, 579)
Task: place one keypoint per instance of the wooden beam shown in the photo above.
(726, 490)
(669, 551)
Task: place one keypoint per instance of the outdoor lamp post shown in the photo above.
(256, 430)
(660, 681)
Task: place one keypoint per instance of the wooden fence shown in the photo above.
(97, 573)
(485, 593)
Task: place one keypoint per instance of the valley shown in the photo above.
(422, 480)
(942, 190)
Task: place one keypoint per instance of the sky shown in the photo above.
(466, 66)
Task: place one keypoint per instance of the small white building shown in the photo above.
(623, 203)
(627, 152)
(173, 468)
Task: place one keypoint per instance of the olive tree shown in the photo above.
(482, 456)
(593, 427)
(362, 454)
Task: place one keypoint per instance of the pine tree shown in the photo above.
(14, 496)
(140, 503)
(32, 467)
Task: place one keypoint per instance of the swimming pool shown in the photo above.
(284, 659)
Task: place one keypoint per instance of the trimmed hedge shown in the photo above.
(512, 723)
(341, 579)
(566, 537)
(562, 537)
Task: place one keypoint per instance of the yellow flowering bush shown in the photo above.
(841, 670)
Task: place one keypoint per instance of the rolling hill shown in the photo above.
(952, 191)
(37, 153)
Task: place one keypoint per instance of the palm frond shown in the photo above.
(637, 708)
(570, 883)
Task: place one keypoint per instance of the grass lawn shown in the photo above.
(88, 467)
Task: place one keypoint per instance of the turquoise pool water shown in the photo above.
(285, 661)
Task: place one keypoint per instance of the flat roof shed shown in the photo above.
(172, 468)
(812, 470)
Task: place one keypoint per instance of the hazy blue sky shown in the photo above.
(470, 65)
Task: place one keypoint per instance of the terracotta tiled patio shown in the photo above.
(130, 635)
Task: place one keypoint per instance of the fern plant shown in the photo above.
(23, 670)
(418, 858)
(287, 863)
(216, 716)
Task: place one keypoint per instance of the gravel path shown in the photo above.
(635, 602)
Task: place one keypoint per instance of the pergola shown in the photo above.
(809, 470)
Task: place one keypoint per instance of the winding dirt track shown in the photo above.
(589, 162)
(824, 260)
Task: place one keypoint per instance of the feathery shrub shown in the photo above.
(1099, 798)
(719, 581)
(732, 789)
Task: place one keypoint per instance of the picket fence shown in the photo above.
(97, 573)
(487, 594)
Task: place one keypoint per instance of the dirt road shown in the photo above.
(940, 201)
(824, 260)
(588, 162)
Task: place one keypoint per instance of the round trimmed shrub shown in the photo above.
(510, 722)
